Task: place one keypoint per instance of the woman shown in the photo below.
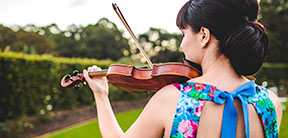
(226, 39)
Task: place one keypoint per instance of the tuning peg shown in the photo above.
(76, 87)
(67, 77)
(75, 72)
(84, 83)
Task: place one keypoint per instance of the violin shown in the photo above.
(135, 80)
(139, 79)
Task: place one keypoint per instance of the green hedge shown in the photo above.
(30, 85)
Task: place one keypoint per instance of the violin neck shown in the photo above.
(98, 73)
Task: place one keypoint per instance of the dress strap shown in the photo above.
(177, 85)
(229, 120)
(266, 112)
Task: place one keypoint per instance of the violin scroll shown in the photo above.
(73, 81)
(75, 72)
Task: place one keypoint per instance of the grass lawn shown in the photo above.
(284, 123)
(91, 129)
(126, 119)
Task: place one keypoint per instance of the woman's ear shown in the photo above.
(205, 36)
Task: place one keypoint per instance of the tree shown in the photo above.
(103, 40)
(7, 36)
(67, 42)
(160, 45)
(30, 41)
(26, 39)
(274, 17)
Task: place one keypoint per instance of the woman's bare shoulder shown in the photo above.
(277, 104)
(275, 99)
(167, 93)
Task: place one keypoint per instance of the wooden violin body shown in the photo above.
(132, 79)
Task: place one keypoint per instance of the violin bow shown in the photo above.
(120, 15)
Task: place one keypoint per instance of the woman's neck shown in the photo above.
(219, 72)
(218, 66)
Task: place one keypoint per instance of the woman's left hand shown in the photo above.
(98, 84)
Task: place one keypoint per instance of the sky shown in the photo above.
(140, 14)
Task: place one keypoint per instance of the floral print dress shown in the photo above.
(193, 98)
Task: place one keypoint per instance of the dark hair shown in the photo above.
(234, 24)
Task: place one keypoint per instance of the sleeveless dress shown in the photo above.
(193, 98)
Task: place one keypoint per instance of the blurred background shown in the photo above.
(41, 41)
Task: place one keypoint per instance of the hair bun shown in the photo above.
(246, 47)
(232, 23)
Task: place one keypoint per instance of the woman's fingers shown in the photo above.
(90, 69)
(98, 84)
(86, 76)
(94, 68)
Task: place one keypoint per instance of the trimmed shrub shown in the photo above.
(30, 85)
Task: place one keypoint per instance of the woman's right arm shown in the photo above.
(108, 124)
(151, 122)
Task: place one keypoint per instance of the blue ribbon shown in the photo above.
(229, 121)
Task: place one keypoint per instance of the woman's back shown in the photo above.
(197, 113)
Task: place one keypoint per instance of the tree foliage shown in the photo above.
(102, 40)
(160, 45)
(274, 15)
(27, 40)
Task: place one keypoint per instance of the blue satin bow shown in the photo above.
(229, 121)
